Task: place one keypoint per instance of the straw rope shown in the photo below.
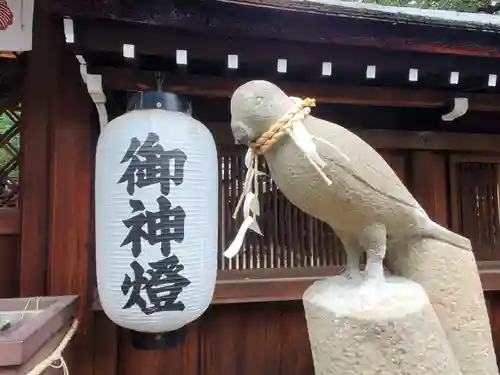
(283, 126)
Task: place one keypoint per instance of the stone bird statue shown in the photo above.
(359, 195)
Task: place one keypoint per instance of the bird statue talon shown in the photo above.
(378, 278)
(351, 274)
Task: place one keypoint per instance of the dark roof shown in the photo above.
(461, 20)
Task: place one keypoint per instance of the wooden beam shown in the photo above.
(279, 284)
(93, 36)
(292, 289)
(489, 273)
(262, 290)
(398, 140)
(131, 80)
(428, 140)
(267, 284)
(261, 285)
(231, 20)
(10, 221)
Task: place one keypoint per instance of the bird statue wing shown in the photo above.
(335, 144)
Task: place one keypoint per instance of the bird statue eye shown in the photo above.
(259, 100)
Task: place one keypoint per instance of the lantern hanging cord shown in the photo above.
(160, 77)
(52, 359)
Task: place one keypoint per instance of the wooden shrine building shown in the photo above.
(388, 74)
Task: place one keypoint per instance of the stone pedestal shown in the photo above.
(375, 329)
(450, 278)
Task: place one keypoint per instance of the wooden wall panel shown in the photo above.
(263, 338)
(474, 184)
(9, 266)
(254, 338)
(105, 345)
(244, 339)
(493, 305)
(429, 184)
(182, 360)
(398, 162)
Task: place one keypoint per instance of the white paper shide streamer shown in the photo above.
(250, 206)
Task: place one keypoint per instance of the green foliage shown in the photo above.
(458, 5)
(5, 157)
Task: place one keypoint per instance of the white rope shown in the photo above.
(25, 310)
(62, 364)
(56, 355)
(7, 324)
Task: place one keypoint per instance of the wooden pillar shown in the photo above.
(71, 242)
(71, 189)
(428, 184)
(38, 103)
(58, 138)
(58, 144)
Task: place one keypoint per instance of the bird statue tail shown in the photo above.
(437, 232)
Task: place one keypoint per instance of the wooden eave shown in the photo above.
(101, 42)
(223, 19)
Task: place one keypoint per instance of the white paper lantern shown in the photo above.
(156, 206)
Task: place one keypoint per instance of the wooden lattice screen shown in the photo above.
(291, 238)
(475, 189)
(9, 154)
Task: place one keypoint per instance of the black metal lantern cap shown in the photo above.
(158, 341)
(159, 100)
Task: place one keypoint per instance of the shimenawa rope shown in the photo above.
(283, 126)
